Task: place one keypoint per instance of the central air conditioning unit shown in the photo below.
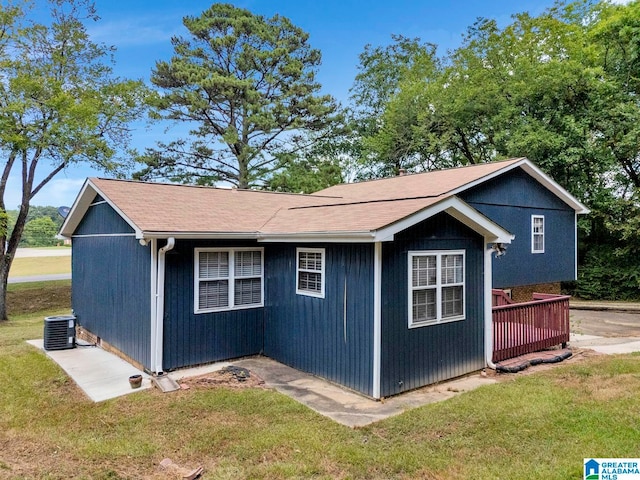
(59, 332)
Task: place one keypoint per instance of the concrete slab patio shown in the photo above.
(102, 375)
(347, 407)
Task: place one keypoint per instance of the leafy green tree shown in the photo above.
(390, 92)
(306, 176)
(59, 105)
(528, 90)
(615, 37)
(246, 86)
(35, 212)
(40, 232)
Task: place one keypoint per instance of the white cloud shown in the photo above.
(135, 31)
(59, 192)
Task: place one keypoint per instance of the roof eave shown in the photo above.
(185, 235)
(326, 236)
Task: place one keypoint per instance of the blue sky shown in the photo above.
(141, 32)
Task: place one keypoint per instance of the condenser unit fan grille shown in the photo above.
(59, 332)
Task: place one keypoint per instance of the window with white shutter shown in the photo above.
(227, 279)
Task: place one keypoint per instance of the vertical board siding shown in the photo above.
(312, 334)
(102, 219)
(510, 200)
(414, 357)
(111, 292)
(192, 339)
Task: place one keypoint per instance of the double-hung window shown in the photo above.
(310, 271)
(537, 233)
(436, 287)
(227, 279)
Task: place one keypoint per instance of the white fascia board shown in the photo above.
(81, 205)
(538, 175)
(459, 210)
(553, 186)
(78, 209)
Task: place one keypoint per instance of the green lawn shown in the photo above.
(537, 426)
(40, 266)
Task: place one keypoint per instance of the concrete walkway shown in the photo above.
(102, 375)
(345, 406)
(604, 305)
(40, 278)
(43, 252)
(99, 374)
(608, 345)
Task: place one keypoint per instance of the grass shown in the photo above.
(538, 426)
(24, 266)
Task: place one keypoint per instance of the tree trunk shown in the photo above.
(4, 275)
(7, 258)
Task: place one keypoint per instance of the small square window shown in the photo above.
(310, 271)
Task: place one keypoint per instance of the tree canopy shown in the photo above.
(561, 88)
(245, 85)
(59, 105)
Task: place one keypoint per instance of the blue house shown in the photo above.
(381, 286)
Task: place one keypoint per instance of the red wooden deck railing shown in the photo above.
(520, 328)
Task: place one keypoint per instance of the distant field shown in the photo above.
(40, 266)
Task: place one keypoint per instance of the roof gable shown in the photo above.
(446, 182)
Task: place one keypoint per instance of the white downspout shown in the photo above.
(154, 300)
(377, 319)
(488, 311)
(157, 364)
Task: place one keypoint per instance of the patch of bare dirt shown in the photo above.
(229, 377)
(51, 297)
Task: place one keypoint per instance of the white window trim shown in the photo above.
(232, 278)
(311, 293)
(533, 234)
(438, 254)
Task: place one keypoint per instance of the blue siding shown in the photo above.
(111, 284)
(313, 334)
(192, 339)
(102, 219)
(415, 357)
(510, 200)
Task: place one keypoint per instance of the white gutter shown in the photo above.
(157, 353)
(488, 310)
